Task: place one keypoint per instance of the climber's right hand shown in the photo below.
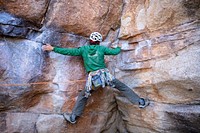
(47, 47)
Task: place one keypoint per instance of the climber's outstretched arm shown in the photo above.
(64, 51)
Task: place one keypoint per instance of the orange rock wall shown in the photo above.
(160, 43)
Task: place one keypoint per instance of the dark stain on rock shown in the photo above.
(4, 102)
(191, 6)
(2, 122)
(184, 122)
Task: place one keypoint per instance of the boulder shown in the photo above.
(82, 18)
(140, 16)
(31, 10)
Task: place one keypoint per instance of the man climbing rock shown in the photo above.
(98, 74)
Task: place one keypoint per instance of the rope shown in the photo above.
(40, 83)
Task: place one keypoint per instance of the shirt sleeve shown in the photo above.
(112, 51)
(68, 51)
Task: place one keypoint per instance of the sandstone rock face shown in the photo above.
(160, 43)
(84, 17)
(31, 10)
(153, 15)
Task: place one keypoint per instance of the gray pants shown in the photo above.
(126, 91)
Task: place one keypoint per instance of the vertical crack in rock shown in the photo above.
(122, 11)
(106, 15)
(46, 11)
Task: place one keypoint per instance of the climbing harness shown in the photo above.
(99, 78)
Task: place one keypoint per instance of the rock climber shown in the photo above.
(98, 74)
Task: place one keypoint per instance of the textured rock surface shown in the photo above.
(31, 10)
(160, 60)
(140, 16)
(84, 17)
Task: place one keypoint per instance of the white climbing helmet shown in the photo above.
(96, 36)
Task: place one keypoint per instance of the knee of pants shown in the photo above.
(119, 85)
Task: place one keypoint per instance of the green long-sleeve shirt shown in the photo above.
(93, 55)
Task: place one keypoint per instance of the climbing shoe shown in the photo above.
(143, 103)
(70, 117)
